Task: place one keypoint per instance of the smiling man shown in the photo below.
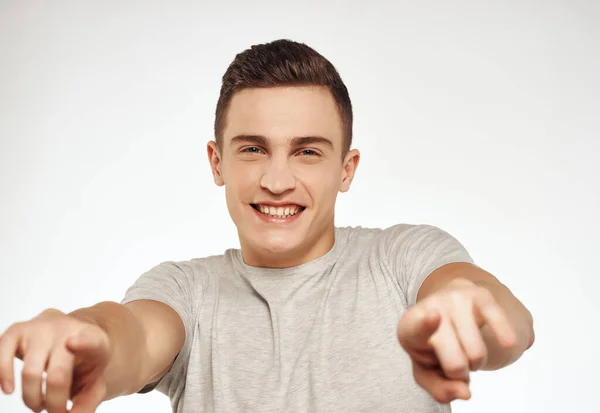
(305, 316)
(282, 154)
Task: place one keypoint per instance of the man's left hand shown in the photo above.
(442, 335)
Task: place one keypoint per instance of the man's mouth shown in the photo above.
(283, 211)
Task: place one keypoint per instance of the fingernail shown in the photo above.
(7, 386)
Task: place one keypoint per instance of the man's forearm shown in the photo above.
(125, 371)
(521, 320)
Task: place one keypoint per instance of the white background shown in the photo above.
(478, 117)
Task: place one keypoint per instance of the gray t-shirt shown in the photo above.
(318, 337)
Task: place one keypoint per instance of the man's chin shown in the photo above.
(276, 250)
(278, 244)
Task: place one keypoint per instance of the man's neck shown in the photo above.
(268, 259)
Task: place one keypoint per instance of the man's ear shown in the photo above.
(215, 162)
(351, 161)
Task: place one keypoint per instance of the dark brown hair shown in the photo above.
(283, 63)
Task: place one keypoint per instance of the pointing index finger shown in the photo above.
(417, 326)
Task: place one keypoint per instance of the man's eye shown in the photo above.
(308, 152)
(251, 149)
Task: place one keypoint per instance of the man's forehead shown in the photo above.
(284, 113)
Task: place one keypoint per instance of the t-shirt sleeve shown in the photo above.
(415, 251)
(173, 284)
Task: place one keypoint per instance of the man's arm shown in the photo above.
(517, 314)
(145, 338)
(91, 355)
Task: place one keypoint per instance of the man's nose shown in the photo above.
(278, 177)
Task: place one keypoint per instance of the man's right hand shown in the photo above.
(73, 353)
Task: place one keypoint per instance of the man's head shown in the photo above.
(283, 132)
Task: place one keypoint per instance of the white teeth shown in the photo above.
(279, 212)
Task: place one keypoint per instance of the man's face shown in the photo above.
(282, 167)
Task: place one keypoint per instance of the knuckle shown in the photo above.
(50, 321)
(10, 332)
(477, 359)
(49, 312)
(455, 371)
(44, 330)
(485, 294)
(479, 354)
(29, 373)
(58, 377)
(18, 326)
(457, 294)
(435, 301)
(493, 312)
(456, 297)
(14, 327)
(460, 283)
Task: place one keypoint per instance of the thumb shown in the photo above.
(417, 326)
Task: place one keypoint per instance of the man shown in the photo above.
(305, 316)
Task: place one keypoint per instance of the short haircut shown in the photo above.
(283, 63)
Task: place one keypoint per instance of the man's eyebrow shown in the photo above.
(311, 140)
(255, 139)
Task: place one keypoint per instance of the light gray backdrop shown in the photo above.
(479, 117)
